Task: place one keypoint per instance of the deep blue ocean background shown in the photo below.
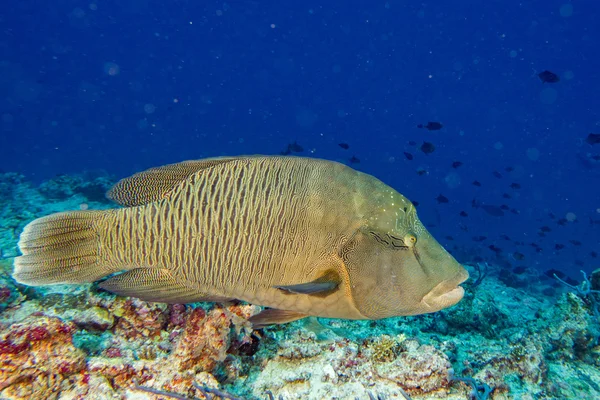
(124, 86)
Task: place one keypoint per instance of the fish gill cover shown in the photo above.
(483, 115)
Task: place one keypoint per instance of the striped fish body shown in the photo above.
(305, 236)
(241, 228)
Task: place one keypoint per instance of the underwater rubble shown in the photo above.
(502, 341)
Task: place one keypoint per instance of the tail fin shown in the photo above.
(62, 248)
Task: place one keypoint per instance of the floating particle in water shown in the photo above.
(548, 96)
(571, 217)
(149, 108)
(533, 154)
(566, 10)
(111, 69)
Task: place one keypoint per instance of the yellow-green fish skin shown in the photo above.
(244, 227)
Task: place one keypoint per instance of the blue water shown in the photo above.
(123, 86)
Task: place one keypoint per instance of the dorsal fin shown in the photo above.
(154, 184)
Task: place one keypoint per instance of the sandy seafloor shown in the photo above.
(518, 336)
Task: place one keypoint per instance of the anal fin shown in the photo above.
(157, 285)
(272, 316)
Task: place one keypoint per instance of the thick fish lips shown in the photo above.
(447, 293)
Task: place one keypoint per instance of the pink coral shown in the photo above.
(36, 356)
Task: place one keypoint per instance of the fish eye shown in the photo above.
(410, 239)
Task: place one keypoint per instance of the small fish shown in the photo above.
(292, 148)
(515, 186)
(593, 138)
(509, 169)
(514, 211)
(551, 272)
(495, 249)
(449, 238)
(412, 143)
(476, 183)
(504, 207)
(519, 270)
(497, 174)
(594, 254)
(344, 146)
(422, 172)
(505, 237)
(354, 160)
(575, 242)
(506, 196)
(456, 164)
(442, 199)
(548, 77)
(416, 203)
(551, 215)
(545, 229)
(479, 238)
(518, 256)
(562, 222)
(559, 246)
(432, 126)
(492, 210)
(427, 148)
(463, 214)
(408, 156)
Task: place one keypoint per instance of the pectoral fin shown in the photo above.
(321, 286)
(272, 316)
(158, 285)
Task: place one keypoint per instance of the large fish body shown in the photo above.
(301, 236)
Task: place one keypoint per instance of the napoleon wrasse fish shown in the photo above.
(302, 236)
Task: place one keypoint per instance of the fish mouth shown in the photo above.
(446, 293)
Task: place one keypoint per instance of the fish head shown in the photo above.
(395, 267)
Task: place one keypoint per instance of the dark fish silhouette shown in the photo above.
(504, 207)
(518, 256)
(545, 229)
(292, 148)
(344, 146)
(551, 272)
(559, 246)
(509, 169)
(415, 203)
(515, 185)
(548, 77)
(506, 196)
(442, 199)
(492, 210)
(476, 183)
(422, 172)
(497, 174)
(354, 160)
(504, 237)
(519, 270)
(463, 214)
(593, 138)
(408, 155)
(456, 164)
(432, 126)
(427, 148)
(479, 238)
(594, 254)
(495, 249)
(575, 242)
